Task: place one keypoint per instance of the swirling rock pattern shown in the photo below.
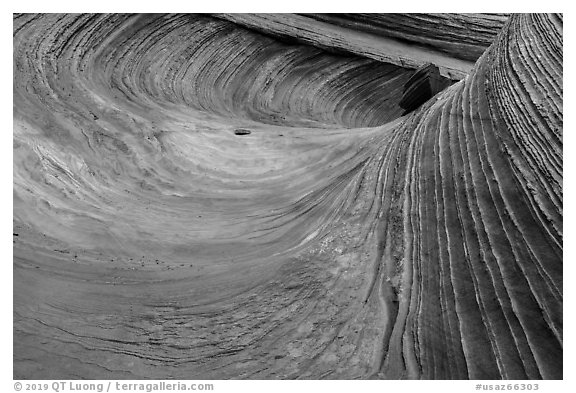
(332, 238)
(383, 37)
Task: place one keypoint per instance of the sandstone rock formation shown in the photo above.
(196, 199)
(424, 84)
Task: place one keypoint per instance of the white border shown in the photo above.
(6, 382)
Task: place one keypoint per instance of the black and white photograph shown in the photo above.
(286, 196)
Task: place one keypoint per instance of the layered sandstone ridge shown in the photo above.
(452, 42)
(196, 198)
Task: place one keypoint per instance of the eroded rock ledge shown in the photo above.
(336, 239)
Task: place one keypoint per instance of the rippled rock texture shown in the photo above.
(196, 198)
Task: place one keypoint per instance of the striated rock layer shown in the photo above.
(452, 42)
(463, 36)
(196, 200)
